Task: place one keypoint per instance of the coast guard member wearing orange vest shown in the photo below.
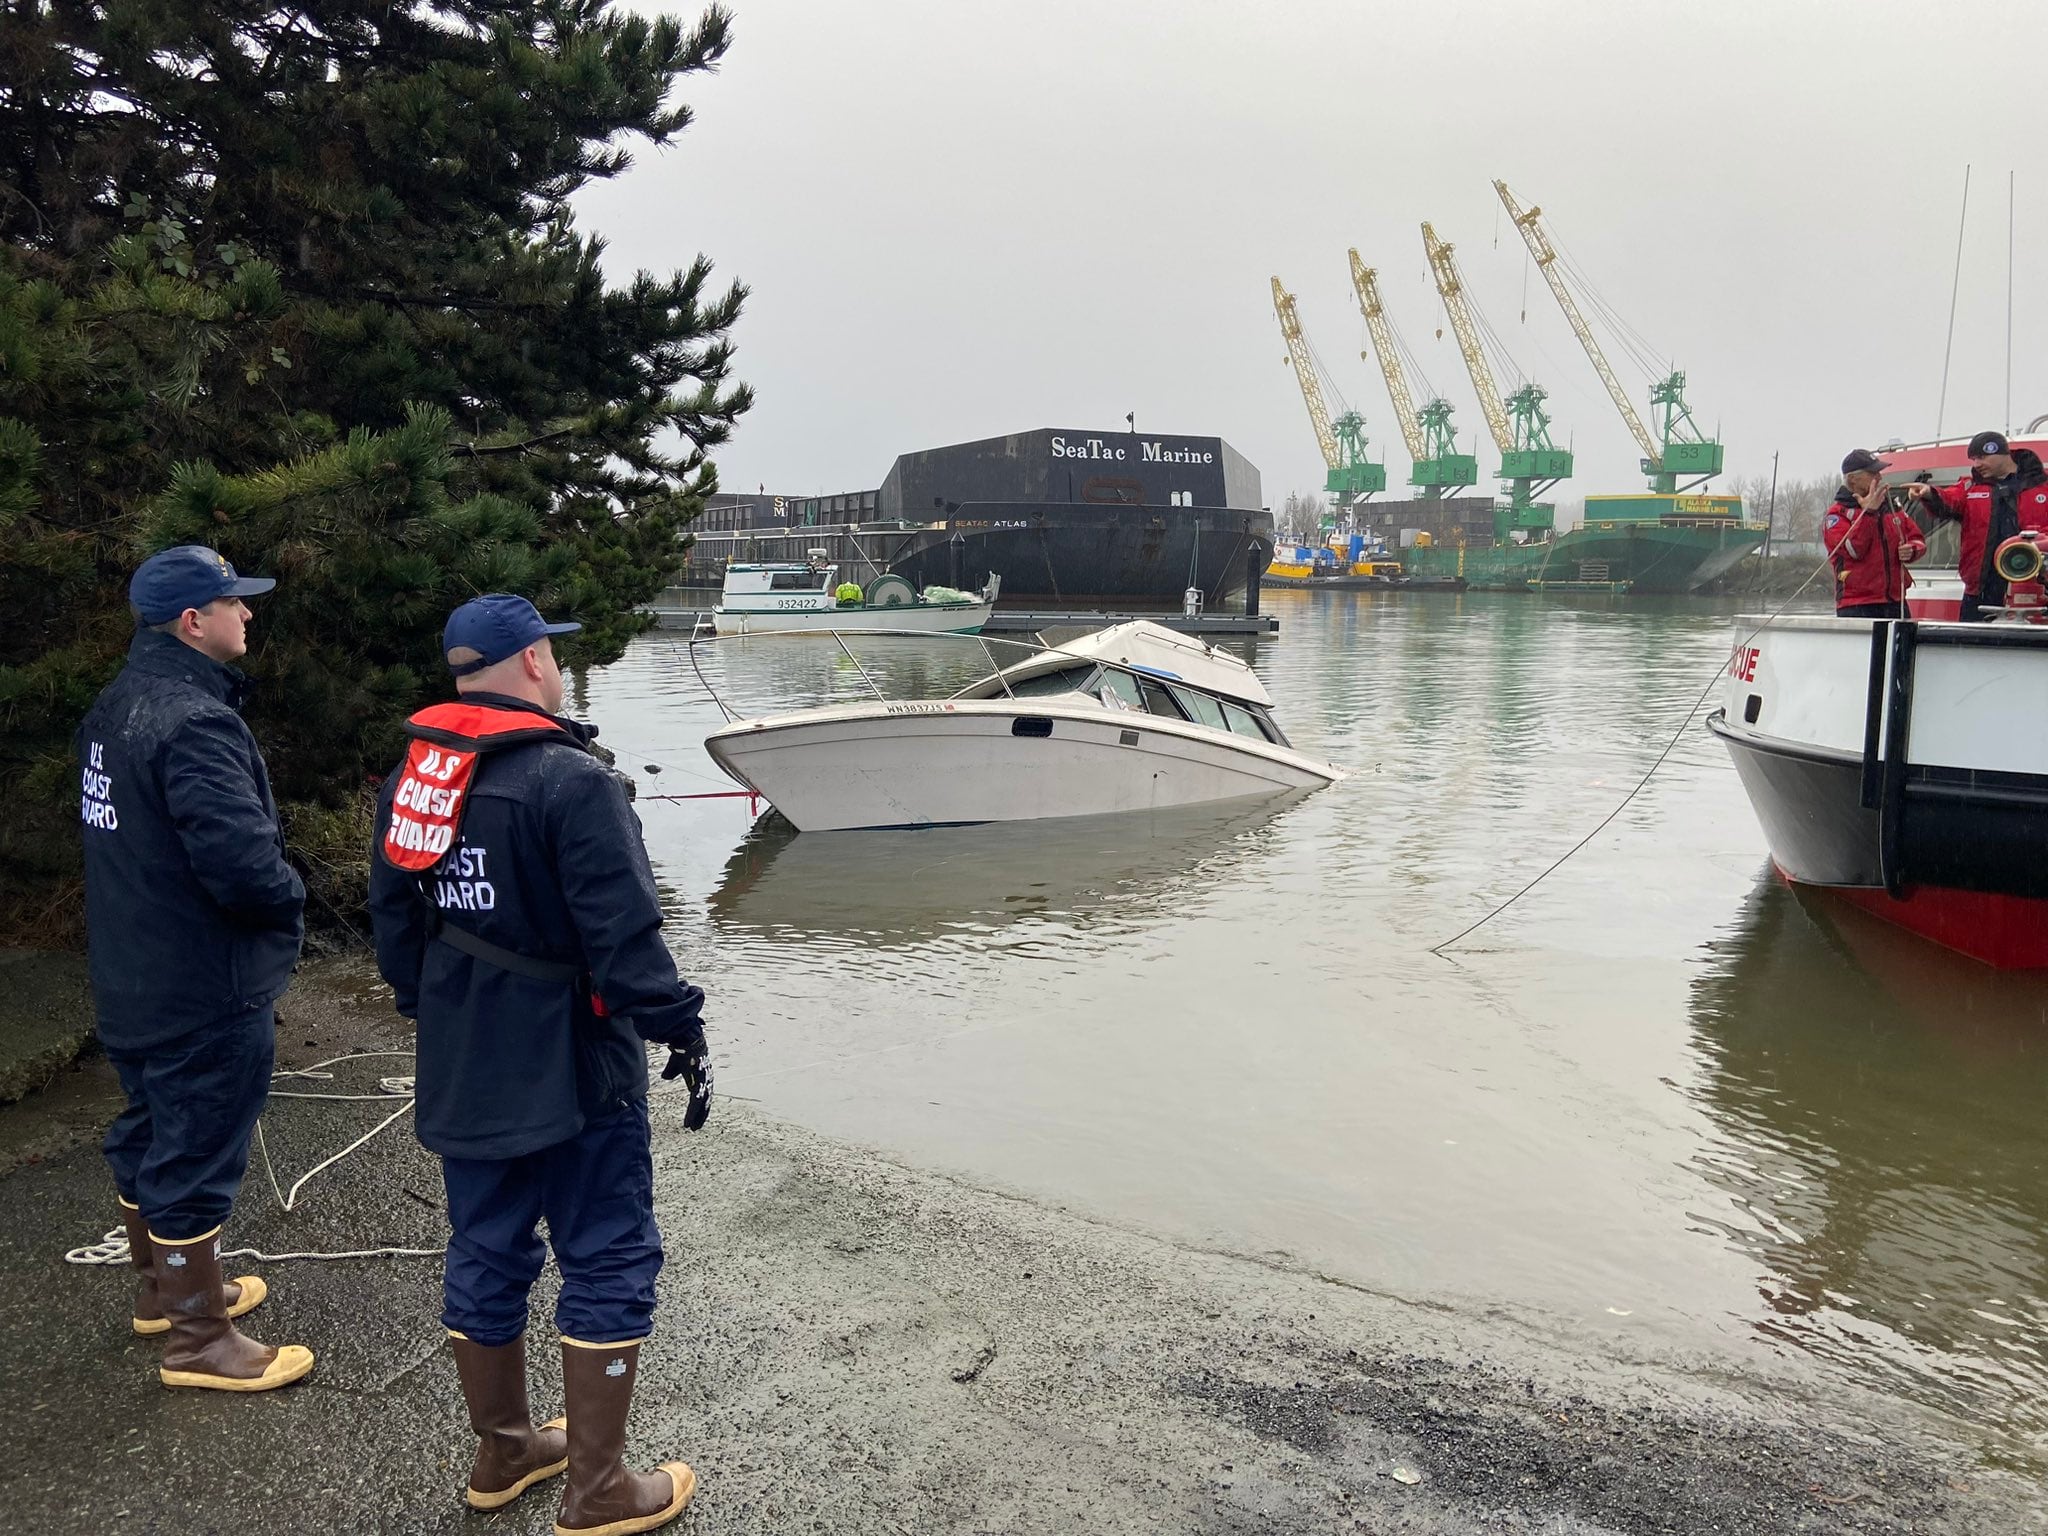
(517, 921)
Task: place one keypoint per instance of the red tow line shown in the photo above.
(752, 797)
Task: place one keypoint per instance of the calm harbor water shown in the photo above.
(1663, 1102)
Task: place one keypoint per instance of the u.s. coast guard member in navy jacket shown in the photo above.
(517, 921)
(192, 926)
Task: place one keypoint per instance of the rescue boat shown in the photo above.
(1903, 766)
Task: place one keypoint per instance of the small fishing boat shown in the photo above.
(1130, 718)
(808, 596)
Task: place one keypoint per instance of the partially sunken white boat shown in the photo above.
(1131, 718)
(778, 599)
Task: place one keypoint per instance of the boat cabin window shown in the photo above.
(1272, 729)
(1122, 687)
(1199, 706)
(796, 581)
(1158, 701)
(1066, 680)
(1243, 721)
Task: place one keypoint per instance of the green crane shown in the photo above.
(1681, 448)
(1530, 461)
(1352, 476)
(1432, 442)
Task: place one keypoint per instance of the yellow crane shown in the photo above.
(1452, 289)
(1684, 450)
(1431, 439)
(1351, 476)
(1305, 374)
(1529, 461)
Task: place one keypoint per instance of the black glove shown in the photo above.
(690, 1059)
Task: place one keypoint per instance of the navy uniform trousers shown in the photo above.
(597, 1192)
(180, 1148)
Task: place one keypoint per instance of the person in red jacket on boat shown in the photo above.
(1870, 542)
(2005, 493)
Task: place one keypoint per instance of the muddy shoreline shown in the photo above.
(850, 1345)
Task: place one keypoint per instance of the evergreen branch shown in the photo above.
(474, 451)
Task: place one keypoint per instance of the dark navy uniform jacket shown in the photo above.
(549, 865)
(192, 914)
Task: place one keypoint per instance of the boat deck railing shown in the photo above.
(995, 673)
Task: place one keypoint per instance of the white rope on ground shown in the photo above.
(113, 1247)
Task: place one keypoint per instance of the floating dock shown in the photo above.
(1021, 622)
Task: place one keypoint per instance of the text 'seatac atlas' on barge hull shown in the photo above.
(1063, 516)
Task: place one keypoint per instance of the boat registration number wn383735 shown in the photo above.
(919, 709)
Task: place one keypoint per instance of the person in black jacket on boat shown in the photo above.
(193, 922)
(517, 922)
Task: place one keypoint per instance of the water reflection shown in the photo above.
(889, 890)
(1876, 1104)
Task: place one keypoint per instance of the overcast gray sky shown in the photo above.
(969, 218)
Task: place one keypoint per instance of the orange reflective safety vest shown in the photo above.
(427, 807)
(433, 785)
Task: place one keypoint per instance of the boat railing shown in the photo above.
(995, 672)
(840, 636)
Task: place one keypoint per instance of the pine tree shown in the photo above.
(305, 285)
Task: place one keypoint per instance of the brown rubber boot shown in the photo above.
(244, 1294)
(511, 1455)
(603, 1498)
(205, 1349)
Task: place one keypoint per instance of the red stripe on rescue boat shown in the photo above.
(2009, 933)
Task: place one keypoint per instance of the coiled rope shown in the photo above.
(113, 1247)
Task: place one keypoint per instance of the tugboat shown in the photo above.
(1903, 764)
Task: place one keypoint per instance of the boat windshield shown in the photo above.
(1243, 721)
(1199, 706)
(1066, 680)
(1126, 690)
(1120, 687)
(1160, 702)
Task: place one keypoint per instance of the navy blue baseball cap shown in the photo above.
(189, 576)
(485, 630)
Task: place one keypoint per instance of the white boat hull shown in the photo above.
(953, 763)
(918, 618)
